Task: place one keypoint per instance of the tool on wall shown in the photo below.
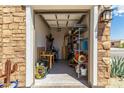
(49, 42)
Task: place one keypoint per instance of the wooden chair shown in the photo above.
(40, 50)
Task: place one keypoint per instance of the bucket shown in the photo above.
(83, 72)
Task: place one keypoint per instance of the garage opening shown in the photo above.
(61, 44)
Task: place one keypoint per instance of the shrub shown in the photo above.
(117, 67)
(122, 45)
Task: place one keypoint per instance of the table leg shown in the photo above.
(53, 59)
(50, 62)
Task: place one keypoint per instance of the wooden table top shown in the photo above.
(47, 55)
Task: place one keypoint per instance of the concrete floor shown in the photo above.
(62, 75)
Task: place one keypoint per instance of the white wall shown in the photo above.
(58, 40)
(41, 30)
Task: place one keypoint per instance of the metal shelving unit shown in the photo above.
(79, 30)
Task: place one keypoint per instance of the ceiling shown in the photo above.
(62, 20)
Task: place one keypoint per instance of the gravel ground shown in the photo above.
(116, 82)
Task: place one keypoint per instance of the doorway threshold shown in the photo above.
(58, 81)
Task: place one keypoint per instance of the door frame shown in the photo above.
(93, 54)
(30, 47)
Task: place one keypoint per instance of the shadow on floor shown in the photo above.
(62, 67)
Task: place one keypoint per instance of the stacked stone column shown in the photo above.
(103, 53)
(12, 40)
(0, 40)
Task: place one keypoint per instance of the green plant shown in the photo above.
(117, 67)
(122, 45)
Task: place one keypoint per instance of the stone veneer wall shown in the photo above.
(103, 53)
(13, 40)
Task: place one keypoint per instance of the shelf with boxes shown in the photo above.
(80, 48)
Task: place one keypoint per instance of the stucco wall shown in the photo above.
(12, 40)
